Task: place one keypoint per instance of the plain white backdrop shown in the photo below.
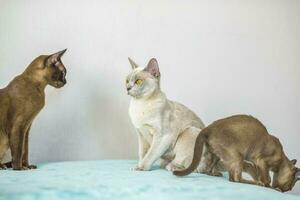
(218, 57)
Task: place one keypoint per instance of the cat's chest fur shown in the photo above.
(146, 112)
(25, 100)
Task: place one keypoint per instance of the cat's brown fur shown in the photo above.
(243, 138)
(21, 101)
(213, 166)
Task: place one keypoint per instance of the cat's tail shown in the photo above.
(197, 156)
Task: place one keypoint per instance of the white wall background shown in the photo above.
(217, 57)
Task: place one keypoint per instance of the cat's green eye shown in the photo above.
(139, 82)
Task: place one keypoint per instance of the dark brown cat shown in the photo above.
(243, 138)
(21, 101)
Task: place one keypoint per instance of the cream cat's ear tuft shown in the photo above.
(132, 63)
(53, 58)
(153, 68)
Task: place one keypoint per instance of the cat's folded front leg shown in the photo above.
(159, 146)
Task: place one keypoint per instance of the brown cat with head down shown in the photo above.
(240, 138)
(21, 101)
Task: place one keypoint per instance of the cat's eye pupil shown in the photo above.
(138, 82)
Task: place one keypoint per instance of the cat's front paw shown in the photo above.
(31, 166)
(20, 168)
(134, 168)
(140, 168)
(260, 183)
(2, 167)
(218, 174)
(27, 166)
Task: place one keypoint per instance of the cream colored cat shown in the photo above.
(166, 130)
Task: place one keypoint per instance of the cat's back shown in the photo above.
(242, 129)
(244, 120)
(185, 115)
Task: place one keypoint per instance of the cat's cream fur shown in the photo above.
(166, 129)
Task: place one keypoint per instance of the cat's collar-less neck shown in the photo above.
(36, 83)
(284, 164)
(156, 94)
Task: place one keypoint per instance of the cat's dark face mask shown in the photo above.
(57, 71)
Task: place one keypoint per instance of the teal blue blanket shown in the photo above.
(112, 180)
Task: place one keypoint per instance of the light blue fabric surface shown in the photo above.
(112, 180)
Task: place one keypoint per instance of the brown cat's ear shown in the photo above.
(297, 175)
(294, 161)
(53, 58)
(132, 63)
(153, 68)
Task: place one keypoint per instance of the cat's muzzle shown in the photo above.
(128, 90)
(60, 84)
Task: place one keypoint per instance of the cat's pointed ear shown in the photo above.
(132, 63)
(153, 68)
(53, 58)
(297, 175)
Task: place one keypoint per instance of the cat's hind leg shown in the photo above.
(216, 172)
(3, 149)
(235, 169)
(209, 164)
(184, 149)
(215, 168)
